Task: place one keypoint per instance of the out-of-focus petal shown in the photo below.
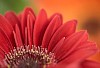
(3, 64)
(2, 54)
(90, 64)
(5, 44)
(7, 28)
(12, 18)
(64, 65)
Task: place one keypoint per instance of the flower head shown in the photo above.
(29, 41)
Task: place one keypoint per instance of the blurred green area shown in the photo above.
(15, 5)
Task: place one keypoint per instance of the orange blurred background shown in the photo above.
(87, 12)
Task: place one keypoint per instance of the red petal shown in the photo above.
(24, 17)
(20, 17)
(17, 36)
(12, 18)
(3, 64)
(30, 24)
(2, 53)
(64, 31)
(26, 36)
(65, 65)
(71, 43)
(80, 54)
(90, 64)
(5, 44)
(40, 26)
(58, 46)
(56, 14)
(7, 28)
(52, 27)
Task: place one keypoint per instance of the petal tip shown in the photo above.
(74, 21)
(27, 8)
(42, 11)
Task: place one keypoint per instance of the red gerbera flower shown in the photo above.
(27, 41)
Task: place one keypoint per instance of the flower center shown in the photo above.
(26, 57)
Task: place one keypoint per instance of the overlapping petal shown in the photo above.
(12, 18)
(24, 18)
(40, 26)
(64, 31)
(90, 64)
(70, 48)
(55, 23)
